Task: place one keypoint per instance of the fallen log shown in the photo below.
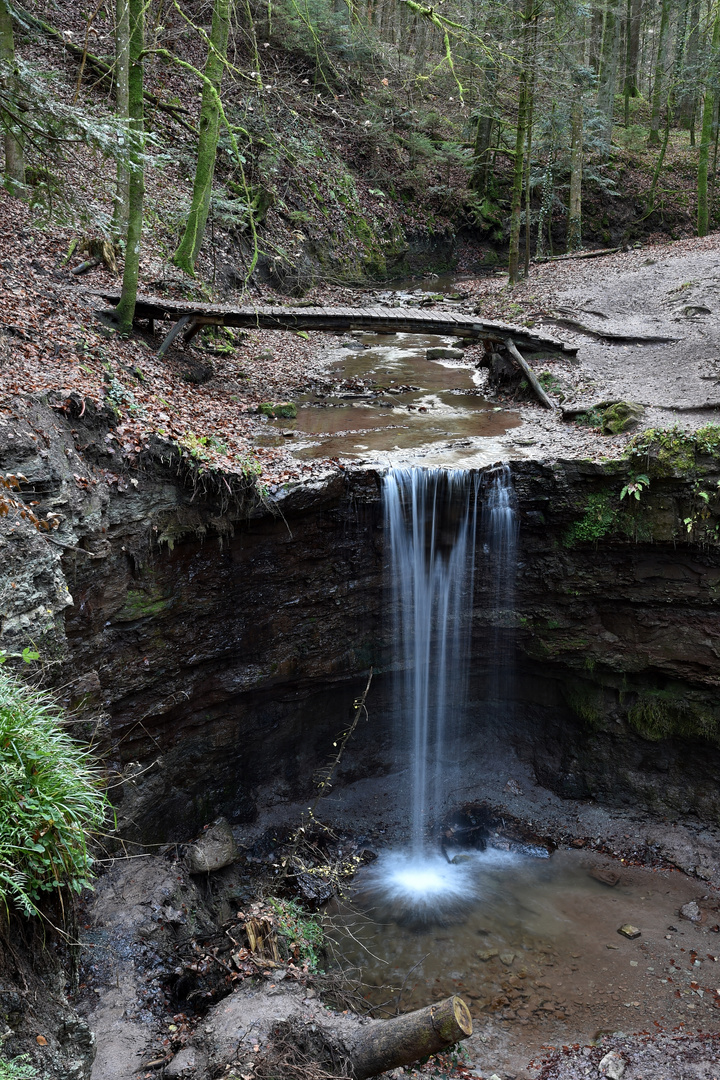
(529, 375)
(390, 1044)
(576, 255)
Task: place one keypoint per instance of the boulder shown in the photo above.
(213, 849)
(441, 352)
(622, 416)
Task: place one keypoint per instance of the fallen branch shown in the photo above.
(529, 375)
(576, 255)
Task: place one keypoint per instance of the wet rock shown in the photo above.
(212, 850)
(441, 352)
(314, 889)
(622, 416)
(486, 954)
(612, 1066)
(629, 931)
(691, 912)
(607, 877)
(507, 958)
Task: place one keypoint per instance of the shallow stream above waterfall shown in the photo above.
(389, 397)
(531, 943)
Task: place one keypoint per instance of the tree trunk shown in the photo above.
(522, 117)
(688, 97)
(707, 129)
(126, 308)
(122, 106)
(14, 154)
(186, 255)
(657, 94)
(608, 74)
(390, 1044)
(632, 45)
(574, 231)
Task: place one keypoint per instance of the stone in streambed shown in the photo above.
(622, 416)
(441, 352)
(487, 954)
(213, 849)
(691, 912)
(612, 1066)
(607, 877)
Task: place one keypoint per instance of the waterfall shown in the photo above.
(431, 523)
(500, 534)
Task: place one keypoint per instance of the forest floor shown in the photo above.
(54, 343)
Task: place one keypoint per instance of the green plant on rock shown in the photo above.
(50, 800)
(635, 486)
(17, 1068)
(301, 930)
(598, 520)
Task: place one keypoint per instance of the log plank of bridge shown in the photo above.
(378, 319)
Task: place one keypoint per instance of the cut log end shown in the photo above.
(388, 1044)
(452, 1020)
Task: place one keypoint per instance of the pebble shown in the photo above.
(486, 954)
(629, 931)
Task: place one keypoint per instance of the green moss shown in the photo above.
(623, 416)
(286, 410)
(598, 520)
(142, 604)
(664, 714)
(671, 451)
(586, 701)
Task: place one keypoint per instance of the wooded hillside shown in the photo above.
(310, 139)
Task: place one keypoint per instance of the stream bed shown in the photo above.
(533, 947)
(388, 397)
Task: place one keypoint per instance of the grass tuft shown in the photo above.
(50, 800)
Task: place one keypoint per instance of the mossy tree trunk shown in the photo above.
(574, 230)
(657, 94)
(688, 96)
(187, 252)
(708, 118)
(136, 188)
(14, 153)
(632, 48)
(122, 107)
(520, 138)
(608, 73)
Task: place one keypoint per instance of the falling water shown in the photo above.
(431, 519)
(500, 534)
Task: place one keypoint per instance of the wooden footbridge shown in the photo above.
(188, 318)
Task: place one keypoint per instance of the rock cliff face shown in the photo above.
(213, 647)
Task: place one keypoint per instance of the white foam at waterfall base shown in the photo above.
(419, 889)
